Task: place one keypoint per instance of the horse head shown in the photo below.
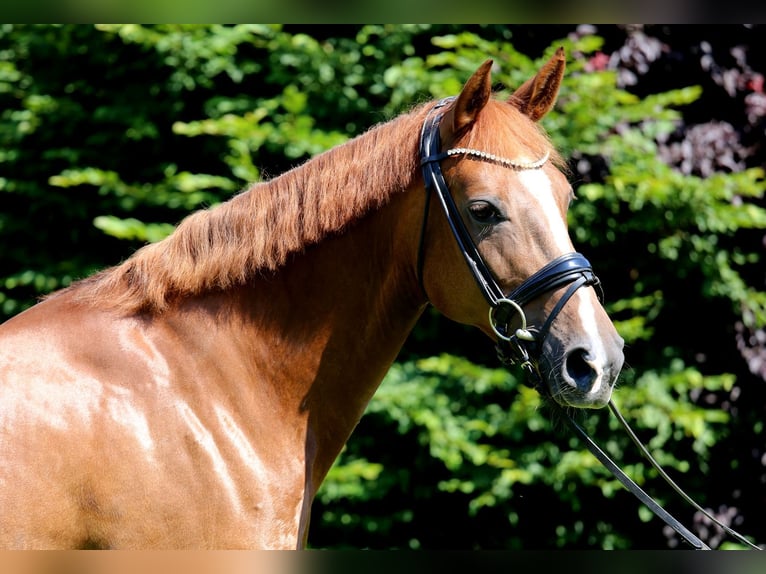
(507, 205)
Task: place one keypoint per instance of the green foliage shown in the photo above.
(490, 441)
(132, 229)
(110, 134)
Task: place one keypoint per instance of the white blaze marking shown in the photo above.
(539, 187)
(587, 313)
(538, 184)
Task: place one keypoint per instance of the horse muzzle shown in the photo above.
(585, 375)
(577, 365)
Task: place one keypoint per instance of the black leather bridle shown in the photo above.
(524, 345)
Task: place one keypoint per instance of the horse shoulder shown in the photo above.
(109, 419)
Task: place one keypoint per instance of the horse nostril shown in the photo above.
(579, 371)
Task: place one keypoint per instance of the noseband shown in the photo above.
(524, 345)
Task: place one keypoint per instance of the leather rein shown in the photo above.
(524, 345)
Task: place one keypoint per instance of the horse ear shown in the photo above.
(472, 99)
(536, 96)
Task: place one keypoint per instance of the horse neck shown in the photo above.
(332, 321)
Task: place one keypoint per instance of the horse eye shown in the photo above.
(484, 212)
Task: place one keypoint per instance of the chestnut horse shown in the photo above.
(196, 395)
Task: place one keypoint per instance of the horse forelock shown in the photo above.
(504, 131)
(257, 230)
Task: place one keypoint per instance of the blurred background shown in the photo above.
(110, 134)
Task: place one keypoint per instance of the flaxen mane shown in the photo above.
(258, 229)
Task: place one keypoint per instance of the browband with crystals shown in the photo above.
(485, 156)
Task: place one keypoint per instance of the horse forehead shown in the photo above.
(506, 181)
(539, 187)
